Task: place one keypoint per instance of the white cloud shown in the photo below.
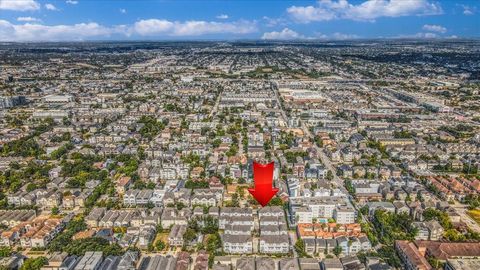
(427, 35)
(341, 36)
(39, 32)
(310, 13)
(335, 36)
(50, 6)
(434, 28)
(467, 10)
(271, 22)
(19, 5)
(72, 2)
(31, 30)
(419, 35)
(285, 34)
(123, 11)
(369, 10)
(28, 19)
(222, 16)
(152, 27)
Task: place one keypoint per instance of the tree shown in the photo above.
(441, 217)
(60, 242)
(329, 175)
(389, 254)
(55, 210)
(337, 250)
(180, 205)
(214, 242)
(210, 225)
(151, 126)
(160, 245)
(300, 248)
(5, 252)
(390, 227)
(216, 143)
(275, 201)
(34, 263)
(454, 235)
(189, 235)
(80, 246)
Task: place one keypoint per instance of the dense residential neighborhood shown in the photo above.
(140, 155)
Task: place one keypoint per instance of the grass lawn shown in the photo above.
(475, 214)
(163, 237)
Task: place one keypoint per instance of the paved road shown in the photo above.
(324, 158)
(293, 240)
(338, 182)
(462, 211)
(282, 111)
(215, 107)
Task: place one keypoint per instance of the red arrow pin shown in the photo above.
(263, 178)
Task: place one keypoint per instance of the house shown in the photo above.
(288, 264)
(237, 244)
(373, 206)
(128, 260)
(411, 256)
(55, 261)
(463, 264)
(401, 208)
(91, 260)
(201, 262)
(214, 212)
(175, 237)
(159, 262)
(354, 246)
(265, 263)
(13, 262)
(309, 263)
(352, 262)
(238, 229)
(134, 197)
(206, 200)
(122, 184)
(50, 199)
(332, 264)
(310, 245)
(343, 242)
(146, 235)
(435, 230)
(344, 215)
(304, 215)
(321, 245)
(271, 211)
(422, 231)
(40, 231)
(274, 244)
(365, 243)
(235, 216)
(94, 216)
(171, 216)
(279, 229)
(245, 263)
(183, 261)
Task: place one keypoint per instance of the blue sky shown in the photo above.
(59, 20)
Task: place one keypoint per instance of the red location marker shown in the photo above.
(263, 178)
